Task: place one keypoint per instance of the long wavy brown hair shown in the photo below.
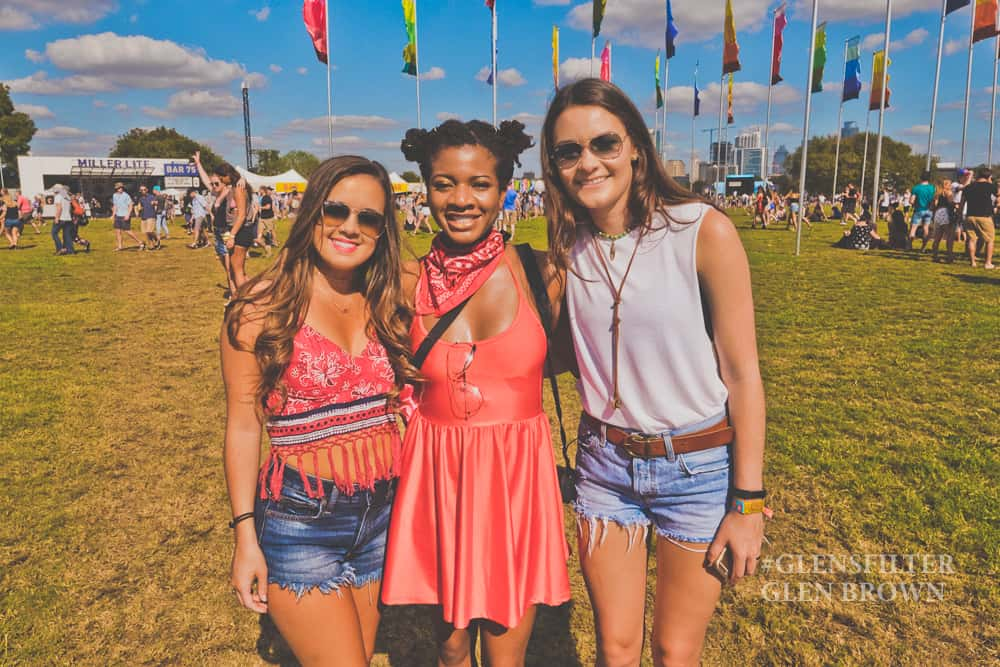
(278, 297)
(652, 189)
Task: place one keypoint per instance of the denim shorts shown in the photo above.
(325, 543)
(219, 244)
(921, 218)
(682, 496)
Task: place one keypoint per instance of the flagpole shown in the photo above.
(692, 176)
(968, 82)
(766, 167)
(329, 84)
(494, 59)
(937, 81)
(718, 141)
(885, 94)
(593, 54)
(840, 114)
(864, 160)
(805, 128)
(663, 127)
(993, 110)
(416, 61)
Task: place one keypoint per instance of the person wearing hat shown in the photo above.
(121, 209)
(162, 230)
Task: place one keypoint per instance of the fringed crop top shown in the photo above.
(336, 407)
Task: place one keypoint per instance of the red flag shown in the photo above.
(314, 15)
(779, 41)
(606, 62)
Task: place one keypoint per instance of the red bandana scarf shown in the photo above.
(451, 275)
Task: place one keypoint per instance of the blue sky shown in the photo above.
(89, 70)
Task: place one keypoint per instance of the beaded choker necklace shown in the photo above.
(611, 237)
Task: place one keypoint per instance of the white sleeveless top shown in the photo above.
(668, 375)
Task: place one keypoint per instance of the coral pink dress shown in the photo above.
(477, 525)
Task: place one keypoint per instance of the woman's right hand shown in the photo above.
(249, 576)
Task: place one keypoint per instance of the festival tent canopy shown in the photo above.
(286, 182)
(398, 184)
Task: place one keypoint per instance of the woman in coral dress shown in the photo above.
(477, 526)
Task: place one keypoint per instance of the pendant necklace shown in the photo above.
(616, 321)
(611, 237)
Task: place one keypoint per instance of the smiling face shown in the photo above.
(599, 184)
(463, 192)
(340, 242)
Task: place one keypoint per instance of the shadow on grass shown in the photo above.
(976, 280)
(406, 636)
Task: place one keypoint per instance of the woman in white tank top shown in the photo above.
(660, 309)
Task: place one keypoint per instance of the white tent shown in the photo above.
(286, 182)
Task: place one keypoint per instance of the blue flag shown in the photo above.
(955, 5)
(697, 99)
(852, 70)
(671, 33)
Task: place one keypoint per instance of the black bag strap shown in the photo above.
(544, 306)
(436, 332)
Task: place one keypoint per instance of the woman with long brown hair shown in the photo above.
(660, 309)
(231, 213)
(316, 348)
(477, 527)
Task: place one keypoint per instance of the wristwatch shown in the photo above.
(748, 505)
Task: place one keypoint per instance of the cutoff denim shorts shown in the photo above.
(682, 496)
(325, 543)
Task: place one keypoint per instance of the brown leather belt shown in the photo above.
(642, 446)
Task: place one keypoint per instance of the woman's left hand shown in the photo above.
(743, 534)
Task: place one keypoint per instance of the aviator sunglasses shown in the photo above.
(606, 146)
(371, 223)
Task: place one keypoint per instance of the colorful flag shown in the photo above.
(852, 70)
(730, 117)
(780, 21)
(672, 33)
(606, 62)
(955, 5)
(659, 90)
(314, 15)
(493, 42)
(599, 6)
(879, 66)
(986, 20)
(489, 3)
(410, 51)
(697, 93)
(555, 56)
(731, 50)
(819, 58)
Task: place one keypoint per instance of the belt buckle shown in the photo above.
(640, 439)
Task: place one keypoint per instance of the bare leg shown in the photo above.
(616, 581)
(366, 604)
(238, 265)
(454, 646)
(299, 620)
(505, 647)
(988, 256)
(686, 596)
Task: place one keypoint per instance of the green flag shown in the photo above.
(659, 90)
(599, 6)
(819, 59)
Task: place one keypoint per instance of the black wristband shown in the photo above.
(748, 495)
(242, 517)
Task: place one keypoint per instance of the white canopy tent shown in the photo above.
(286, 182)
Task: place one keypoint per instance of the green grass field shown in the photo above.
(881, 370)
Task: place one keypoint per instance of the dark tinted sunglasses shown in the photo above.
(604, 147)
(371, 223)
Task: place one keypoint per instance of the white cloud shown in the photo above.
(574, 69)
(508, 77)
(36, 111)
(61, 132)
(433, 74)
(121, 108)
(447, 115)
(953, 46)
(874, 41)
(39, 83)
(34, 56)
(197, 103)
(261, 14)
(319, 124)
(528, 118)
(255, 80)
(29, 14)
(302, 70)
(353, 143)
(865, 9)
(544, 3)
(747, 96)
(137, 61)
(784, 128)
(274, 68)
(640, 22)
(919, 131)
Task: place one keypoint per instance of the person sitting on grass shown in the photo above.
(899, 238)
(817, 214)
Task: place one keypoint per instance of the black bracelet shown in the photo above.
(242, 517)
(748, 495)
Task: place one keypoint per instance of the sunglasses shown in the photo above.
(604, 147)
(215, 184)
(371, 223)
